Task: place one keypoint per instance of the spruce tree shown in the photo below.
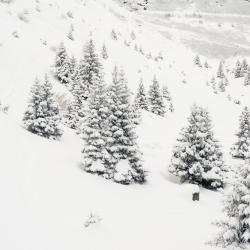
(123, 157)
(197, 157)
(244, 66)
(71, 116)
(42, 115)
(197, 61)
(220, 72)
(156, 100)
(141, 100)
(238, 71)
(104, 52)
(62, 65)
(93, 130)
(247, 78)
(167, 97)
(241, 149)
(235, 229)
(89, 69)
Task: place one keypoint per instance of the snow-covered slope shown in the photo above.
(46, 197)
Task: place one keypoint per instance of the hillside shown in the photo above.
(46, 196)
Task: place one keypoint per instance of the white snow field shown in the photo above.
(45, 195)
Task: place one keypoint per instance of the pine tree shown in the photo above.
(104, 52)
(235, 229)
(247, 78)
(197, 157)
(197, 61)
(89, 70)
(244, 66)
(71, 116)
(220, 72)
(167, 97)
(238, 71)
(123, 157)
(156, 100)
(42, 115)
(114, 35)
(241, 149)
(206, 64)
(93, 130)
(62, 65)
(141, 99)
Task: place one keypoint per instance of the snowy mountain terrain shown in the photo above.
(46, 197)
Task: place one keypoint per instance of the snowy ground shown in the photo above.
(45, 196)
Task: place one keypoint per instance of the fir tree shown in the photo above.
(167, 97)
(241, 149)
(238, 71)
(62, 65)
(114, 35)
(244, 66)
(93, 130)
(123, 157)
(156, 100)
(197, 61)
(235, 229)
(104, 52)
(197, 157)
(141, 99)
(206, 64)
(42, 115)
(71, 116)
(220, 72)
(247, 78)
(89, 69)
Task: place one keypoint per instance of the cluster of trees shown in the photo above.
(111, 148)
(198, 63)
(197, 157)
(158, 100)
(103, 115)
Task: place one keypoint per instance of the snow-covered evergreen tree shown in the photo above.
(62, 65)
(244, 66)
(71, 117)
(241, 149)
(42, 115)
(197, 157)
(114, 35)
(197, 61)
(93, 130)
(104, 52)
(220, 72)
(235, 229)
(206, 64)
(123, 159)
(89, 69)
(238, 70)
(141, 100)
(167, 97)
(247, 78)
(156, 100)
